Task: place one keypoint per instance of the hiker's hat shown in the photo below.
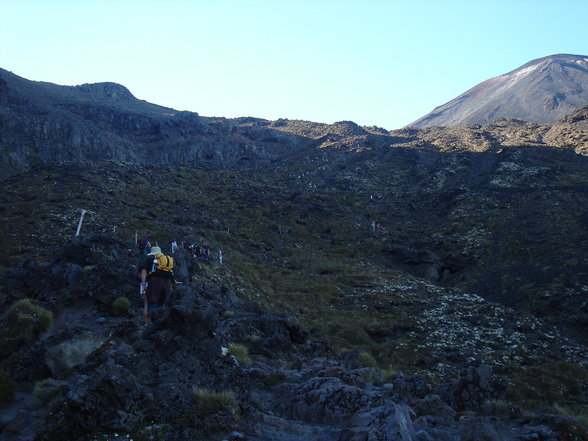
(154, 251)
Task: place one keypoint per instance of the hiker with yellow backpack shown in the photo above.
(157, 280)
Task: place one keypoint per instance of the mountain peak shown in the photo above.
(543, 90)
(580, 60)
(107, 89)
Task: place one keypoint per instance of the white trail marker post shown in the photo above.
(80, 223)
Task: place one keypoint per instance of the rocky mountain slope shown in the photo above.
(43, 121)
(213, 366)
(480, 264)
(462, 318)
(541, 91)
(96, 122)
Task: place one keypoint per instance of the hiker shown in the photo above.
(144, 245)
(174, 246)
(220, 257)
(157, 281)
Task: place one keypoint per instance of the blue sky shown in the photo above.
(375, 62)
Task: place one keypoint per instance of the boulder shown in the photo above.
(323, 400)
(110, 397)
(71, 353)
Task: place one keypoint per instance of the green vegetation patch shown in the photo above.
(213, 411)
(27, 320)
(551, 384)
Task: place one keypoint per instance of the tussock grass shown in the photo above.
(240, 352)
(212, 411)
(367, 359)
(209, 401)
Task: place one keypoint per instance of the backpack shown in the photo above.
(145, 263)
(164, 264)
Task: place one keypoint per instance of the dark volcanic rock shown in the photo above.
(104, 121)
(121, 377)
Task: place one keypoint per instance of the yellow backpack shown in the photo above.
(164, 263)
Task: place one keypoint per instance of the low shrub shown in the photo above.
(120, 306)
(26, 321)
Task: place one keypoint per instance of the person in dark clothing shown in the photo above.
(144, 245)
(158, 292)
(159, 283)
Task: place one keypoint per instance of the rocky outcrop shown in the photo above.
(41, 122)
(104, 121)
(571, 132)
(94, 378)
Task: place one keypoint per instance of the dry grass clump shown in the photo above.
(240, 352)
(210, 401)
(213, 411)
